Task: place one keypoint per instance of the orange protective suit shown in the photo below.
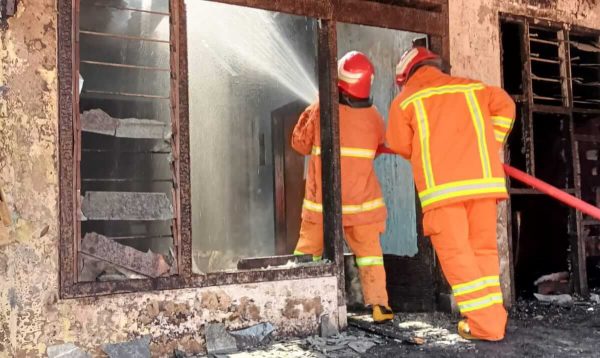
(451, 129)
(362, 130)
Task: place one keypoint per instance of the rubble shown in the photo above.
(98, 121)
(67, 350)
(97, 270)
(252, 336)
(361, 346)
(253, 263)
(594, 297)
(138, 348)
(327, 327)
(561, 300)
(535, 329)
(218, 340)
(555, 283)
(109, 205)
(102, 248)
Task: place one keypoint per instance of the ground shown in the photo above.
(535, 330)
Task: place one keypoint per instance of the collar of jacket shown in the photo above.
(424, 76)
(355, 102)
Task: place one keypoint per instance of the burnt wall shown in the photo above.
(32, 317)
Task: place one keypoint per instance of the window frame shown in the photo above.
(327, 12)
(577, 256)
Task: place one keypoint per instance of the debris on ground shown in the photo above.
(594, 297)
(561, 300)
(67, 350)
(555, 283)
(347, 344)
(252, 336)
(361, 346)
(138, 348)
(218, 340)
(535, 329)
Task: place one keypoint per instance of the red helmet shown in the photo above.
(355, 74)
(408, 61)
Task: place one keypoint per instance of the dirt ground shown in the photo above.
(535, 329)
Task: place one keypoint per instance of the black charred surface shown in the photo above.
(66, 160)
(330, 143)
(413, 283)
(534, 330)
(557, 95)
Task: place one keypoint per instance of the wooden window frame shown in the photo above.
(413, 17)
(577, 254)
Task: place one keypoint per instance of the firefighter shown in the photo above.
(362, 131)
(452, 130)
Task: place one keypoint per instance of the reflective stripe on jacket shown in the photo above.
(362, 130)
(451, 129)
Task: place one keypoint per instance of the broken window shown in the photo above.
(127, 183)
(251, 73)
(552, 73)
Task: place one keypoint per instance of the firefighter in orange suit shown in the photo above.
(362, 130)
(452, 130)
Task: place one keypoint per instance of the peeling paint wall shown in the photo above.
(475, 53)
(475, 44)
(32, 317)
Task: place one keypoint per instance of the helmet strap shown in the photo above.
(354, 102)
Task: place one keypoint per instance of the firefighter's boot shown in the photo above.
(464, 330)
(382, 314)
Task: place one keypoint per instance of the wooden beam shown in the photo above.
(392, 17)
(330, 153)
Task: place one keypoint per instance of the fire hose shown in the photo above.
(539, 185)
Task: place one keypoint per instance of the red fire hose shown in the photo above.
(537, 184)
(554, 192)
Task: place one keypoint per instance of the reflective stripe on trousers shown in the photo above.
(480, 303)
(347, 209)
(369, 261)
(475, 285)
(299, 253)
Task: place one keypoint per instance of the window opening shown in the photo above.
(556, 139)
(251, 73)
(128, 218)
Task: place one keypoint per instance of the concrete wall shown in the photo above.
(32, 317)
(475, 53)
